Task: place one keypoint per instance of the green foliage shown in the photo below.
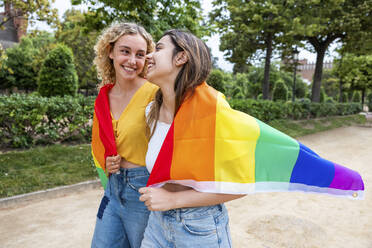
(27, 120)
(155, 16)
(355, 71)
(322, 22)
(34, 10)
(22, 64)
(20, 71)
(345, 97)
(330, 83)
(73, 34)
(44, 168)
(280, 92)
(356, 97)
(369, 99)
(57, 76)
(323, 95)
(268, 110)
(216, 80)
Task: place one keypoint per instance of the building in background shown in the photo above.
(306, 69)
(15, 25)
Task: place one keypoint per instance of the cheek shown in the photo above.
(140, 64)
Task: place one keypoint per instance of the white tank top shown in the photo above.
(156, 141)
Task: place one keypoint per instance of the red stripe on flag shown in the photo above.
(161, 170)
(106, 132)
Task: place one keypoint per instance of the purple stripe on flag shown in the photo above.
(346, 179)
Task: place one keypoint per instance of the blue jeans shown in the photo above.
(188, 227)
(122, 218)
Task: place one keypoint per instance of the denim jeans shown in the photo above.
(122, 218)
(206, 227)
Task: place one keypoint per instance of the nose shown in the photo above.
(132, 60)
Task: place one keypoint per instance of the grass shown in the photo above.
(44, 167)
(304, 127)
(48, 167)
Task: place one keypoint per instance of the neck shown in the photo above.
(169, 100)
(125, 86)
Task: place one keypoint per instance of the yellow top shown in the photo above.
(130, 128)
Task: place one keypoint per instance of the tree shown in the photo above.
(57, 76)
(31, 10)
(280, 92)
(322, 22)
(22, 62)
(155, 16)
(249, 26)
(73, 34)
(356, 97)
(331, 83)
(356, 72)
(20, 68)
(216, 80)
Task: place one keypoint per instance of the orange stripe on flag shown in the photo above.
(196, 122)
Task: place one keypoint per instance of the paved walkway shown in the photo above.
(68, 221)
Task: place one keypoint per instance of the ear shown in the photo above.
(111, 54)
(181, 58)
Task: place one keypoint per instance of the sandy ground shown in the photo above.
(267, 220)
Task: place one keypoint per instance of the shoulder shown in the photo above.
(151, 88)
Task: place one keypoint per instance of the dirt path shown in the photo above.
(257, 221)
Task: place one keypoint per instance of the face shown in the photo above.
(128, 55)
(160, 62)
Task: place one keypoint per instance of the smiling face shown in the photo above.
(128, 55)
(161, 63)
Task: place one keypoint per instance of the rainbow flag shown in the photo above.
(213, 148)
(103, 139)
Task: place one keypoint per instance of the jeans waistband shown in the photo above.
(184, 213)
(132, 172)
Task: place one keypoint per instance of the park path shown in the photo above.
(257, 221)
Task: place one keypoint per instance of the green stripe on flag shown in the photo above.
(276, 155)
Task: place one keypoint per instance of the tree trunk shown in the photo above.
(363, 94)
(340, 98)
(266, 82)
(317, 81)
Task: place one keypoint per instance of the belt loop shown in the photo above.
(178, 215)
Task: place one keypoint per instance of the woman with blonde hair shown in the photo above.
(119, 141)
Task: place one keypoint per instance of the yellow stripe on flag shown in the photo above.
(234, 147)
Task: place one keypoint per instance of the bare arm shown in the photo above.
(160, 199)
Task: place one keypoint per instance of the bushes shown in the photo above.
(268, 110)
(27, 120)
(57, 76)
(280, 92)
(356, 97)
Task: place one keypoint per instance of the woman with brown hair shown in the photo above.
(181, 216)
(119, 141)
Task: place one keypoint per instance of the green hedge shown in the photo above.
(269, 110)
(27, 120)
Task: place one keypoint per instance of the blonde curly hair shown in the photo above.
(105, 44)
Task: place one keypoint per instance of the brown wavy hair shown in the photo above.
(105, 44)
(193, 73)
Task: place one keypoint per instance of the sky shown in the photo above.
(213, 42)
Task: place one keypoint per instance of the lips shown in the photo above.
(128, 69)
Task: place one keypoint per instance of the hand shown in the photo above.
(113, 164)
(157, 199)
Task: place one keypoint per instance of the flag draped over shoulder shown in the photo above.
(216, 149)
(103, 139)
